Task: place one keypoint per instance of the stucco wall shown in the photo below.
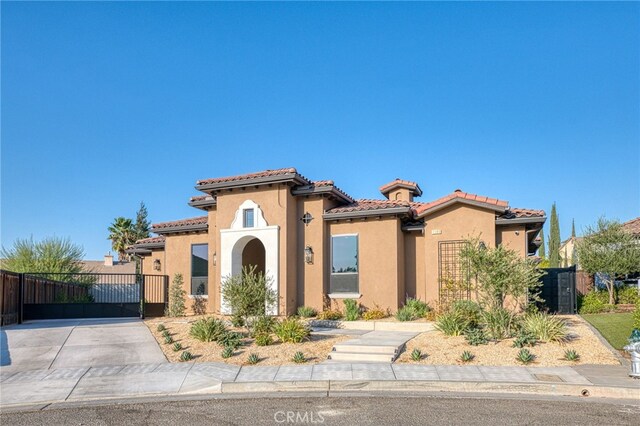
(456, 222)
(513, 237)
(147, 263)
(381, 260)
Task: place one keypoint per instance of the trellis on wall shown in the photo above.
(453, 277)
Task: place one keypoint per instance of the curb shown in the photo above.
(333, 388)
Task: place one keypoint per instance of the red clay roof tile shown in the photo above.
(402, 183)
(420, 208)
(516, 213)
(265, 173)
(182, 222)
(632, 226)
(365, 205)
(151, 240)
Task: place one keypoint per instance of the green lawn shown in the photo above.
(616, 328)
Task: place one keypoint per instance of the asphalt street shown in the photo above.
(340, 411)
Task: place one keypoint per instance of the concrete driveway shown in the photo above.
(53, 344)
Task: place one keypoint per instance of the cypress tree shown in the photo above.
(141, 227)
(573, 228)
(554, 239)
(541, 251)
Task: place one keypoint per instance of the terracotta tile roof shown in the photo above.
(367, 205)
(633, 226)
(200, 220)
(517, 213)
(152, 240)
(265, 173)
(421, 208)
(402, 183)
(322, 183)
(200, 198)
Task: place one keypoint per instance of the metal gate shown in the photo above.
(559, 290)
(91, 295)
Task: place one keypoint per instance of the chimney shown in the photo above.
(108, 260)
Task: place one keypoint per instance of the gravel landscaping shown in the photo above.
(441, 349)
(315, 349)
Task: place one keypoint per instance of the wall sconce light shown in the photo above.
(482, 245)
(308, 255)
(156, 265)
(214, 258)
(517, 232)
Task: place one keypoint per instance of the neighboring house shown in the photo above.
(109, 266)
(633, 226)
(566, 251)
(317, 244)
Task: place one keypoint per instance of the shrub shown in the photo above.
(165, 333)
(468, 310)
(330, 315)
(467, 356)
(307, 312)
(168, 340)
(636, 316)
(248, 293)
(544, 327)
(405, 314)
(499, 323)
(628, 295)
(177, 347)
(376, 313)
(186, 356)
(299, 358)
(419, 308)
(227, 352)
(416, 354)
(237, 321)
(475, 337)
(291, 330)
(161, 328)
(571, 355)
(207, 329)
(263, 339)
(177, 295)
(451, 324)
(262, 324)
(593, 302)
(199, 303)
(230, 339)
(253, 358)
(525, 356)
(351, 310)
(524, 339)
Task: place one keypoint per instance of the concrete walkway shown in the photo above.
(374, 346)
(164, 379)
(77, 343)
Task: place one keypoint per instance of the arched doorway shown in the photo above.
(254, 254)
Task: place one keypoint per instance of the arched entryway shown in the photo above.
(254, 254)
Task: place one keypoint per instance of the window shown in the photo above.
(344, 264)
(199, 269)
(247, 218)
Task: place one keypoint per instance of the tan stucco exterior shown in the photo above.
(398, 248)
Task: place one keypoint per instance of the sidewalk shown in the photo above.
(163, 379)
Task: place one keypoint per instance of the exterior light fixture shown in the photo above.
(306, 218)
(156, 265)
(214, 258)
(308, 255)
(482, 245)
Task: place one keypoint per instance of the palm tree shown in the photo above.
(122, 235)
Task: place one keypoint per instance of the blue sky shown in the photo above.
(108, 104)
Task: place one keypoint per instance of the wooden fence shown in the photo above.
(584, 282)
(9, 297)
(43, 290)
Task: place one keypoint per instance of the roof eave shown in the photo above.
(367, 213)
(321, 190)
(416, 190)
(181, 229)
(205, 205)
(521, 220)
(448, 203)
(287, 177)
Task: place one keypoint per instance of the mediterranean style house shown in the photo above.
(319, 245)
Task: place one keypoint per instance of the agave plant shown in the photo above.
(525, 356)
(416, 354)
(177, 347)
(571, 355)
(186, 356)
(253, 358)
(299, 358)
(467, 356)
(227, 352)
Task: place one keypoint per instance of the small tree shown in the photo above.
(554, 238)
(248, 294)
(500, 272)
(122, 235)
(177, 295)
(51, 255)
(609, 250)
(141, 227)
